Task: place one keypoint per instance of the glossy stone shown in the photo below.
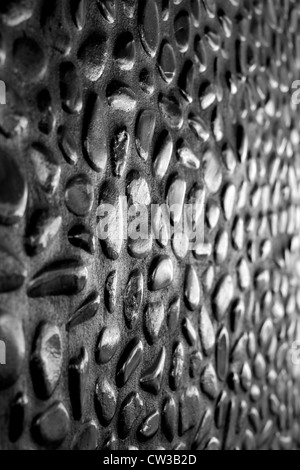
(169, 418)
(146, 81)
(137, 189)
(120, 97)
(180, 245)
(70, 88)
(110, 292)
(111, 443)
(133, 297)
(47, 118)
(207, 333)
(87, 437)
(46, 168)
(85, 312)
(14, 119)
(187, 157)
(154, 319)
(13, 190)
(46, 359)
(162, 154)
(173, 314)
(67, 145)
(189, 409)
(177, 366)
(78, 376)
(196, 359)
(12, 349)
(228, 201)
(149, 26)
(204, 430)
(149, 427)
(51, 427)
(212, 214)
(79, 195)
(125, 51)
(129, 361)
(192, 293)
(12, 271)
(222, 353)
(18, 415)
(92, 55)
(105, 401)
(175, 198)
(140, 248)
(151, 379)
(82, 237)
(107, 344)
(107, 9)
(189, 331)
(171, 110)
(110, 227)
(65, 277)
(221, 246)
(119, 151)
(209, 382)
(161, 273)
(145, 127)
(160, 224)
(129, 412)
(222, 296)
(94, 144)
(221, 410)
(182, 30)
(207, 95)
(42, 231)
(212, 172)
(78, 11)
(167, 62)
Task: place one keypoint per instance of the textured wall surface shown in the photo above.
(123, 343)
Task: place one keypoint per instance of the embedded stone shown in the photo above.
(42, 231)
(65, 277)
(192, 292)
(149, 427)
(151, 379)
(86, 311)
(145, 127)
(79, 195)
(161, 273)
(106, 401)
(51, 427)
(129, 361)
(108, 343)
(12, 271)
(13, 190)
(46, 168)
(149, 26)
(131, 409)
(46, 360)
(133, 297)
(78, 377)
(93, 55)
(12, 348)
(154, 319)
